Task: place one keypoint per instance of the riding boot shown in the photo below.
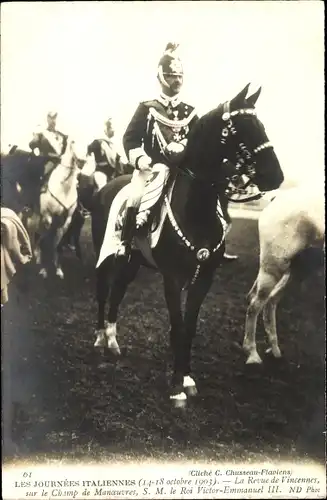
(127, 233)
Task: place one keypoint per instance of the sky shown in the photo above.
(92, 60)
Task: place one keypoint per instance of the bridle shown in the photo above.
(72, 166)
(245, 159)
(245, 164)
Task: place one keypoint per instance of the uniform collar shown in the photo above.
(106, 139)
(166, 100)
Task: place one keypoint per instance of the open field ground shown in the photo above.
(64, 406)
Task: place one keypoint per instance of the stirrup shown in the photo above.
(124, 251)
(85, 213)
(229, 257)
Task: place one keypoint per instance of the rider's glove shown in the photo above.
(175, 148)
(143, 163)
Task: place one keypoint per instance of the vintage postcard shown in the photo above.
(162, 250)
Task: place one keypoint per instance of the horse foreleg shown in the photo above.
(195, 298)
(77, 229)
(173, 290)
(265, 283)
(55, 238)
(269, 315)
(44, 237)
(102, 291)
(57, 254)
(31, 223)
(119, 287)
(42, 255)
(71, 238)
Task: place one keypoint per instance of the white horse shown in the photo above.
(57, 205)
(292, 223)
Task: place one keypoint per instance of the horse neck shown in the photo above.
(194, 205)
(69, 170)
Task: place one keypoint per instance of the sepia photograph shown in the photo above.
(163, 249)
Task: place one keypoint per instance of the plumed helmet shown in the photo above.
(52, 113)
(170, 62)
(108, 121)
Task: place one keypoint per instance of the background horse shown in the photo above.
(87, 188)
(291, 233)
(57, 205)
(191, 244)
(22, 177)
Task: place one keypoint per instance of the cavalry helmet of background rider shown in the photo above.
(170, 64)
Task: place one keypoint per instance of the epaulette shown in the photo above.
(186, 105)
(150, 104)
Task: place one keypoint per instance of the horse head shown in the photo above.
(245, 142)
(230, 142)
(75, 154)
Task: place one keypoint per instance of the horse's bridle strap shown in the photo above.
(227, 114)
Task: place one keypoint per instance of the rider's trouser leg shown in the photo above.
(48, 168)
(100, 179)
(138, 182)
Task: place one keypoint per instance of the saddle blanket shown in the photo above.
(151, 195)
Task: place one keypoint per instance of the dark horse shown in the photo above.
(21, 179)
(191, 244)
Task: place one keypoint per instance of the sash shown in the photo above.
(109, 152)
(54, 143)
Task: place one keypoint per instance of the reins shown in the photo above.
(245, 165)
(71, 167)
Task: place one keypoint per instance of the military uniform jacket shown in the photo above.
(156, 124)
(106, 157)
(50, 143)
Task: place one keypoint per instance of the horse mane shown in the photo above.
(203, 140)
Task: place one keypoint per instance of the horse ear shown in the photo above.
(254, 97)
(240, 98)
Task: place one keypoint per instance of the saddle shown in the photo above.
(150, 217)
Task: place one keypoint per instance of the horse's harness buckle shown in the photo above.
(203, 254)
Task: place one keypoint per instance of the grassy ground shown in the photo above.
(66, 407)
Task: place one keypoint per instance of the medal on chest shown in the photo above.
(177, 135)
(176, 130)
(166, 129)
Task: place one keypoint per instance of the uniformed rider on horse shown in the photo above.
(157, 133)
(49, 143)
(108, 161)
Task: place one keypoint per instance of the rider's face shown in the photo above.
(52, 121)
(175, 83)
(109, 130)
